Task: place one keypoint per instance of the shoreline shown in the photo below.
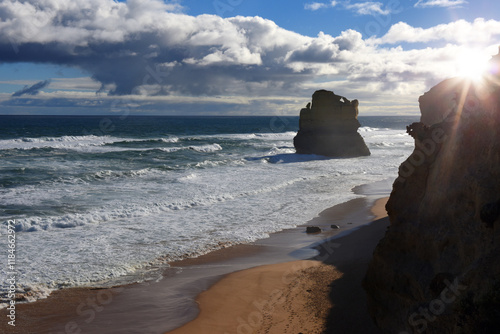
(162, 306)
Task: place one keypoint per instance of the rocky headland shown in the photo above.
(329, 127)
(437, 270)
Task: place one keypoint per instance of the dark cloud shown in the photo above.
(315, 54)
(143, 47)
(33, 89)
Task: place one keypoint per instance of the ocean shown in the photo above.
(99, 201)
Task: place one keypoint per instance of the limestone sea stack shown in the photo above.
(329, 127)
(437, 270)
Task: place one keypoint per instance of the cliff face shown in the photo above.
(437, 270)
(330, 127)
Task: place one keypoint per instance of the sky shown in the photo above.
(235, 57)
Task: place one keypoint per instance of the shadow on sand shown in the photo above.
(351, 255)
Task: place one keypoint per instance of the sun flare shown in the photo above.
(472, 65)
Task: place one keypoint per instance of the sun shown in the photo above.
(472, 65)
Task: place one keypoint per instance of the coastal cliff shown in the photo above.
(437, 270)
(329, 127)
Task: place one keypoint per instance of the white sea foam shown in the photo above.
(216, 163)
(74, 142)
(170, 149)
(169, 140)
(134, 210)
(107, 144)
(206, 148)
(247, 136)
(55, 142)
(188, 177)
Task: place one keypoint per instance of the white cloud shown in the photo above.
(368, 8)
(318, 5)
(478, 32)
(440, 3)
(315, 5)
(360, 8)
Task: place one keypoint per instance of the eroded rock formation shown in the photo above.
(329, 127)
(437, 270)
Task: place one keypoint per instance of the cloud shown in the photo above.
(318, 5)
(140, 45)
(75, 84)
(361, 8)
(368, 8)
(327, 49)
(440, 3)
(479, 32)
(33, 89)
(148, 51)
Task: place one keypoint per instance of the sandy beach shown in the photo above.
(313, 296)
(271, 298)
(276, 285)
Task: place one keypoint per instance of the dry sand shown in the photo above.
(272, 298)
(378, 208)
